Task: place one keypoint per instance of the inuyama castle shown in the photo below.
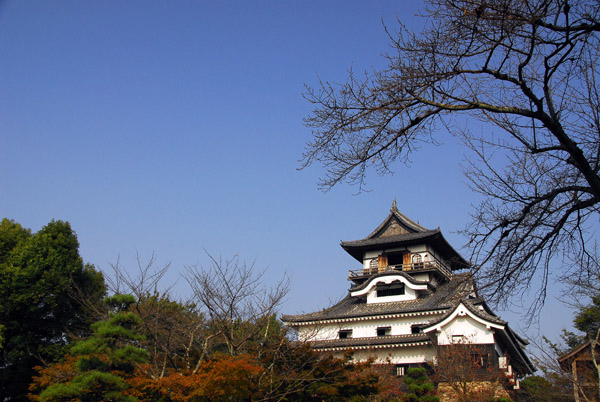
(411, 294)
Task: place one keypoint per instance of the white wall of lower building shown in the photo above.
(402, 355)
(361, 329)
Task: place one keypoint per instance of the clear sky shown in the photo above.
(174, 127)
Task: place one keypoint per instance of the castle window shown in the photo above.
(395, 289)
(395, 259)
(458, 338)
(400, 370)
(481, 360)
(415, 329)
(384, 331)
(345, 333)
(417, 261)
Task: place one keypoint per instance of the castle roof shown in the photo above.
(433, 305)
(445, 297)
(397, 231)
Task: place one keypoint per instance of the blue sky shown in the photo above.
(176, 127)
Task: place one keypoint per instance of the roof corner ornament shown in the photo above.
(394, 207)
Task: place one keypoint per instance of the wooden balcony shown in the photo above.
(356, 274)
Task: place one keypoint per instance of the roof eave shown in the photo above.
(455, 260)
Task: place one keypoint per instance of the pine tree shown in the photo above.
(419, 384)
(104, 359)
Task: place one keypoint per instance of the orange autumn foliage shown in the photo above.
(61, 372)
(224, 377)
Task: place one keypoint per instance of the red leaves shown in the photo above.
(57, 373)
(225, 376)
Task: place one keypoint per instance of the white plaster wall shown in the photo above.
(361, 329)
(369, 255)
(472, 331)
(410, 292)
(319, 332)
(420, 276)
(407, 355)
(398, 326)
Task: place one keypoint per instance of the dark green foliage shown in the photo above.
(89, 387)
(540, 389)
(11, 234)
(47, 295)
(587, 319)
(570, 340)
(420, 386)
(535, 387)
(105, 358)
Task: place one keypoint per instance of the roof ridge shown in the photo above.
(403, 219)
(481, 313)
(406, 219)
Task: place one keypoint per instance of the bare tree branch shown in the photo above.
(235, 299)
(527, 71)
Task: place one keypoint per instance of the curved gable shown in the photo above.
(375, 289)
(466, 325)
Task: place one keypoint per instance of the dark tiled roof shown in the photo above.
(482, 313)
(399, 238)
(371, 341)
(445, 297)
(409, 233)
(403, 219)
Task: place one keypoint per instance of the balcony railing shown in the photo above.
(417, 266)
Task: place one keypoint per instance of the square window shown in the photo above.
(345, 334)
(394, 289)
(384, 331)
(458, 338)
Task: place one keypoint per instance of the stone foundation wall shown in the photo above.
(479, 391)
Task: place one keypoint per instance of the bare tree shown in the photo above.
(468, 372)
(146, 279)
(527, 71)
(236, 301)
(175, 330)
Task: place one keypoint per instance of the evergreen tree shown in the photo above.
(587, 320)
(421, 388)
(104, 359)
(47, 294)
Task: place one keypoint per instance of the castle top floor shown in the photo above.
(400, 244)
